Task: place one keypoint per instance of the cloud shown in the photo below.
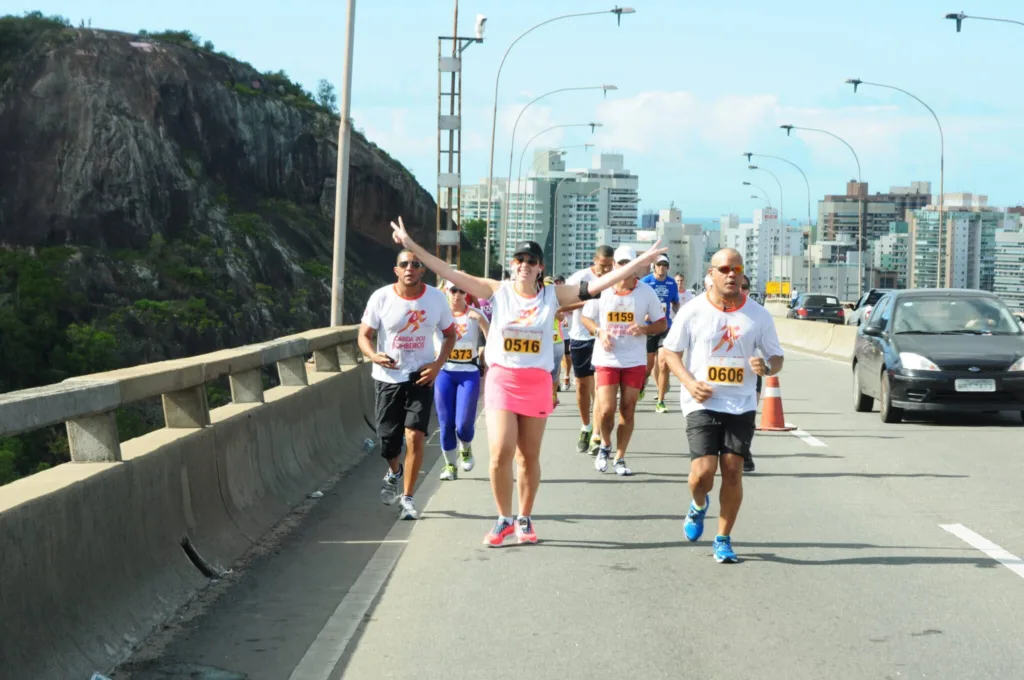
(392, 130)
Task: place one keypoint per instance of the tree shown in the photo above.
(326, 97)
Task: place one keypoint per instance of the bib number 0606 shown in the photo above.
(521, 346)
(727, 376)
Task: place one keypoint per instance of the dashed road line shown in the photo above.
(979, 542)
(806, 437)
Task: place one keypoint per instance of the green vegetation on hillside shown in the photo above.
(19, 34)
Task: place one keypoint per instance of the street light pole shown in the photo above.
(860, 201)
(512, 143)
(765, 193)
(520, 171)
(810, 226)
(341, 174)
(771, 249)
(942, 187)
(959, 17)
(618, 11)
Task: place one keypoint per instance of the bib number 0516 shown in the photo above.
(725, 376)
(521, 346)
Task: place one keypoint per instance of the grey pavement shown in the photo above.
(845, 571)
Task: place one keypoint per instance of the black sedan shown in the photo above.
(939, 350)
(815, 307)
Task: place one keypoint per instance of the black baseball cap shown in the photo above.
(529, 248)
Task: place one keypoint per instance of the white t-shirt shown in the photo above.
(467, 343)
(576, 329)
(615, 312)
(718, 346)
(405, 329)
(522, 329)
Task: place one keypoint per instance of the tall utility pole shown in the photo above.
(449, 120)
(341, 176)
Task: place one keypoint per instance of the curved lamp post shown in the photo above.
(959, 17)
(781, 204)
(860, 204)
(942, 183)
(810, 225)
(618, 12)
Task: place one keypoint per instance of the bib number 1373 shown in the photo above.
(724, 375)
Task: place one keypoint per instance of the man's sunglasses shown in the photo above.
(623, 263)
(725, 269)
(744, 287)
(456, 291)
(661, 264)
(528, 259)
(410, 263)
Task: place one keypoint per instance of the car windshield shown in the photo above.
(821, 301)
(952, 315)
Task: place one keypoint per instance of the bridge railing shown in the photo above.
(87, 404)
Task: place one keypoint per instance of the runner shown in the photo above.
(563, 319)
(405, 317)
(668, 293)
(457, 389)
(619, 355)
(520, 354)
(748, 462)
(558, 348)
(581, 349)
(724, 339)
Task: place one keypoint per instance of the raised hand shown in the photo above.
(400, 235)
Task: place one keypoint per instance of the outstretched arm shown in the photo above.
(474, 285)
(570, 295)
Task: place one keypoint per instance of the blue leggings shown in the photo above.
(455, 397)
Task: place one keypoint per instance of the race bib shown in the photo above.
(520, 342)
(726, 371)
(620, 317)
(461, 355)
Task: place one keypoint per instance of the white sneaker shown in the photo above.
(407, 508)
(620, 468)
(449, 473)
(466, 457)
(601, 462)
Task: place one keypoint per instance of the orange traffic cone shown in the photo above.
(772, 419)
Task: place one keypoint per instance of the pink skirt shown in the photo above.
(523, 391)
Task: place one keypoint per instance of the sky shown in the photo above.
(699, 84)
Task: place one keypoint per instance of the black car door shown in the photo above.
(874, 354)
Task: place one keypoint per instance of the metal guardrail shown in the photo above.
(86, 405)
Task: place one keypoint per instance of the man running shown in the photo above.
(405, 317)
(748, 462)
(619, 355)
(668, 293)
(725, 339)
(563, 327)
(581, 349)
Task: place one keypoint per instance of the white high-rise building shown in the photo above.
(1009, 266)
(473, 201)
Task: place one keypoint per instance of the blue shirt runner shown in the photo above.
(668, 293)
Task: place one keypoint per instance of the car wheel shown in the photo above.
(862, 403)
(888, 412)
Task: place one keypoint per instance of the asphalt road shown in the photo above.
(846, 571)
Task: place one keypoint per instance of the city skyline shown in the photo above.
(697, 87)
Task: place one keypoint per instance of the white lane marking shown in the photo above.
(975, 540)
(844, 362)
(807, 438)
(378, 541)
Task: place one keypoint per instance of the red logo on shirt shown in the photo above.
(416, 317)
(460, 331)
(527, 317)
(730, 335)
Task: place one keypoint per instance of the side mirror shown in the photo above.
(873, 331)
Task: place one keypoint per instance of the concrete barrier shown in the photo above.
(844, 338)
(816, 337)
(93, 554)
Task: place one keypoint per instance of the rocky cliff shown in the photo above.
(160, 199)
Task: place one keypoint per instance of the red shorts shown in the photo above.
(627, 377)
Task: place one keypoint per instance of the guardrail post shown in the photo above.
(186, 408)
(94, 439)
(349, 354)
(292, 372)
(247, 387)
(327, 360)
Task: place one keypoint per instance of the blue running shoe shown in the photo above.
(693, 525)
(723, 551)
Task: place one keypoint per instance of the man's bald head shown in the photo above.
(726, 256)
(726, 273)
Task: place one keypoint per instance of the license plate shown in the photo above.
(975, 385)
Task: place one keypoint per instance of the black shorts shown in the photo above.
(655, 341)
(712, 433)
(401, 406)
(566, 341)
(581, 352)
(758, 388)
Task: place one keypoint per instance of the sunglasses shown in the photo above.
(726, 269)
(744, 287)
(623, 263)
(661, 264)
(527, 259)
(410, 263)
(456, 291)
